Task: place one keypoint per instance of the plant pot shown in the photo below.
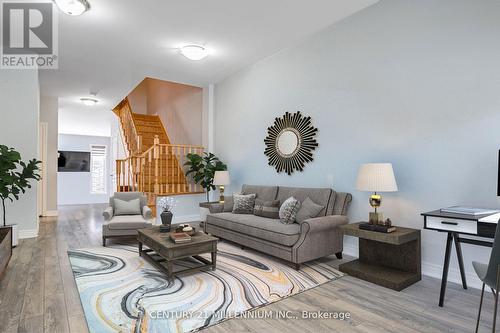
(166, 221)
(15, 234)
(5, 247)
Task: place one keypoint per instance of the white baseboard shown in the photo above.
(51, 213)
(433, 270)
(30, 233)
(436, 271)
(351, 250)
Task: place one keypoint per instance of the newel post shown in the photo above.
(156, 156)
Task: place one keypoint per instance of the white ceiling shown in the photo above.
(111, 48)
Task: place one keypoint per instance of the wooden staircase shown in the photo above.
(154, 166)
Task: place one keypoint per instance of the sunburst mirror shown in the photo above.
(290, 142)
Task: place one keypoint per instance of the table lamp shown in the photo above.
(376, 177)
(221, 178)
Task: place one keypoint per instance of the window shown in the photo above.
(98, 169)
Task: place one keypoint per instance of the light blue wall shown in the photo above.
(415, 83)
(19, 119)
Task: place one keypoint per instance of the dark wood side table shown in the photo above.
(390, 260)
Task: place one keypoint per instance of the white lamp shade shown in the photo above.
(221, 178)
(376, 177)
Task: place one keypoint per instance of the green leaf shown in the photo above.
(15, 174)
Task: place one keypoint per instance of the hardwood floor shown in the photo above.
(38, 293)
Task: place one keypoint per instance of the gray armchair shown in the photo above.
(125, 225)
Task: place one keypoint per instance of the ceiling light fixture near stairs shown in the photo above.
(194, 52)
(73, 7)
(89, 101)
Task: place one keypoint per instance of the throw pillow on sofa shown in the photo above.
(269, 209)
(243, 203)
(288, 210)
(228, 204)
(122, 207)
(308, 209)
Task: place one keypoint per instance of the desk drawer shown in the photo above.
(447, 224)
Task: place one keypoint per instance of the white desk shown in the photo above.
(457, 225)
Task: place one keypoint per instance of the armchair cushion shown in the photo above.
(127, 196)
(127, 222)
(108, 213)
(131, 207)
(147, 213)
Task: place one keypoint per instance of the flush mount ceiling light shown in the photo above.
(194, 52)
(73, 7)
(89, 101)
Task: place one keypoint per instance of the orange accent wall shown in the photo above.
(179, 106)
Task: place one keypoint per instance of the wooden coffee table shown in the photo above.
(167, 251)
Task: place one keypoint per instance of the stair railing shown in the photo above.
(159, 170)
(132, 140)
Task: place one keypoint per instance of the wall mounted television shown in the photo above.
(73, 161)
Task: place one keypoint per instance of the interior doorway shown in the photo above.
(42, 188)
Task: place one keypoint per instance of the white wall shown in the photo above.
(19, 111)
(73, 188)
(85, 120)
(414, 83)
(48, 114)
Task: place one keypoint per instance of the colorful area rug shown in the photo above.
(121, 292)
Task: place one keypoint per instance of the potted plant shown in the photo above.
(166, 204)
(202, 169)
(15, 176)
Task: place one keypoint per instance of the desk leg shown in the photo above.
(446, 265)
(458, 247)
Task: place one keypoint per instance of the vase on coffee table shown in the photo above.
(166, 221)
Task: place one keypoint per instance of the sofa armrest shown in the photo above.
(108, 213)
(216, 208)
(147, 213)
(323, 223)
(319, 237)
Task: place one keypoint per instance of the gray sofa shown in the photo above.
(297, 243)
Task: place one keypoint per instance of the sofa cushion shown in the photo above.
(126, 222)
(258, 227)
(228, 204)
(320, 196)
(243, 203)
(269, 209)
(307, 210)
(131, 207)
(266, 193)
(288, 210)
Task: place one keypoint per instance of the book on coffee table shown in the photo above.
(377, 227)
(180, 237)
